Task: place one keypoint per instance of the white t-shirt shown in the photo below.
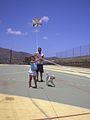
(40, 56)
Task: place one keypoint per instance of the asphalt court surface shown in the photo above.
(69, 100)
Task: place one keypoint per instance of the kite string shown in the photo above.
(52, 62)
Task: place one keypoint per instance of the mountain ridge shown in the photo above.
(11, 56)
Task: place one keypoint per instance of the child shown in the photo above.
(32, 71)
(49, 79)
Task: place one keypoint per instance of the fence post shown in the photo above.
(80, 51)
(73, 53)
(10, 56)
(89, 49)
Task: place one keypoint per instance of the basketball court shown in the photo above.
(69, 100)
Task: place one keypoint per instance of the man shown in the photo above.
(40, 56)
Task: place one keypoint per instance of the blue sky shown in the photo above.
(66, 24)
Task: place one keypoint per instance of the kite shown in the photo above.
(36, 22)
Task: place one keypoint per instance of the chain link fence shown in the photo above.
(75, 52)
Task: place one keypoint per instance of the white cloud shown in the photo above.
(45, 37)
(14, 32)
(45, 18)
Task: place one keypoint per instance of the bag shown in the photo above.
(33, 66)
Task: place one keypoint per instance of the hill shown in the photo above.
(10, 56)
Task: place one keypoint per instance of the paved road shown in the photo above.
(69, 100)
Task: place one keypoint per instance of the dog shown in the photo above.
(49, 80)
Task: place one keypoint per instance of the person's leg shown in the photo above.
(37, 76)
(41, 74)
(35, 81)
(30, 79)
(37, 72)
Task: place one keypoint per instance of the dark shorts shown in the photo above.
(40, 68)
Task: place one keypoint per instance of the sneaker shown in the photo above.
(38, 81)
(34, 87)
(42, 81)
(30, 86)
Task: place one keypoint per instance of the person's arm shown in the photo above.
(37, 60)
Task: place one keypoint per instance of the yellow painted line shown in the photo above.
(69, 72)
(74, 69)
(25, 108)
